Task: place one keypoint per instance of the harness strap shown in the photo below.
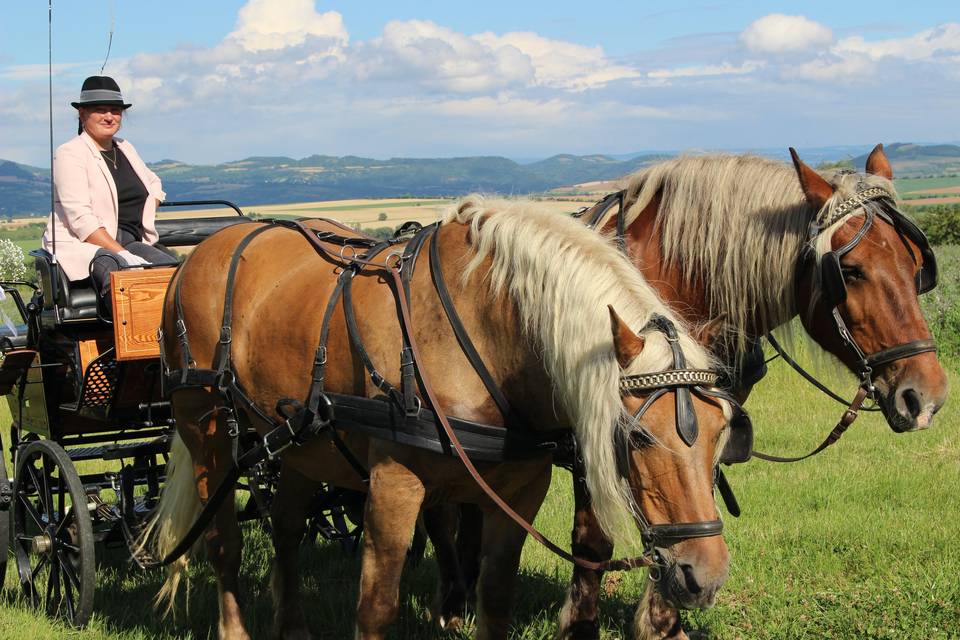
(466, 345)
(901, 351)
(405, 324)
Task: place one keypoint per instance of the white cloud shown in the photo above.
(778, 33)
(941, 42)
(276, 24)
(560, 64)
(846, 68)
(439, 59)
(724, 69)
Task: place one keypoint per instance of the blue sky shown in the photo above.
(216, 81)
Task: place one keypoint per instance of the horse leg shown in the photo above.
(440, 522)
(502, 542)
(206, 437)
(579, 618)
(393, 504)
(469, 540)
(656, 619)
(288, 516)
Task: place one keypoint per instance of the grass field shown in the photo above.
(859, 542)
(907, 186)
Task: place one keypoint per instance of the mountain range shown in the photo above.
(24, 190)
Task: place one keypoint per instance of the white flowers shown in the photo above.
(12, 266)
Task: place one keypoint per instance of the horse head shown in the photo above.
(858, 288)
(669, 455)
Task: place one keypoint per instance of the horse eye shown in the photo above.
(852, 273)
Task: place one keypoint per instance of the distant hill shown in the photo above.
(23, 189)
(917, 161)
(264, 180)
(277, 180)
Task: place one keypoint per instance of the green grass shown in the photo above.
(859, 542)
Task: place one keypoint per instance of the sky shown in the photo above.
(227, 79)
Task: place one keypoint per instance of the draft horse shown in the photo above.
(757, 243)
(522, 342)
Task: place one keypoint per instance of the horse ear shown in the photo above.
(626, 343)
(708, 333)
(815, 188)
(878, 164)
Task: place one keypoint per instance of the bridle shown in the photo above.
(834, 288)
(682, 382)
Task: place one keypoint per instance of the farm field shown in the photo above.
(912, 187)
(366, 214)
(858, 542)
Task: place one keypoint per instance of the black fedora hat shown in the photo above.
(100, 90)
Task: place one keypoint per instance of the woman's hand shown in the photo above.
(131, 259)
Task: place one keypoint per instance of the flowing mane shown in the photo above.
(738, 223)
(562, 276)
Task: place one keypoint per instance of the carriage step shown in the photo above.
(117, 451)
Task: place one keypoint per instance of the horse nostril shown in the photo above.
(911, 401)
(692, 585)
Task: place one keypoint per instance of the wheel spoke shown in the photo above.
(69, 571)
(41, 563)
(47, 495)
(52, 582)
(70, 582)
(67, 518)
(32, 512)
(68, 545)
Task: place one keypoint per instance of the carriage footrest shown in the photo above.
(116, 451)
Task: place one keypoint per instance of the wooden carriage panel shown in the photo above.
(137, 310)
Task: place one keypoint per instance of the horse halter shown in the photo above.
(682, 382)
(835, 290)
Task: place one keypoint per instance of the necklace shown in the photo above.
(113, 159)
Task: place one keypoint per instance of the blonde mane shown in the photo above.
(562, 276)
(736, 225)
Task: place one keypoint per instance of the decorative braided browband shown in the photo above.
(854, 202)
(670, 378)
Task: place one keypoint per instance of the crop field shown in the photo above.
(368, 214)
(928, 190)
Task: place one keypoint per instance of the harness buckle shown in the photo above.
(226, 335)
(273, 453)
(181, 328)
(321, 357)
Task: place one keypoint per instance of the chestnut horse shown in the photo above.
(726, 237)
(533, 291)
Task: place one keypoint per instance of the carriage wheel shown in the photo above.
(6, 498)
(336, 514)
(52, 533)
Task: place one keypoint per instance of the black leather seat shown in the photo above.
(64, 302)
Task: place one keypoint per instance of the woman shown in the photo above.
(105, 197)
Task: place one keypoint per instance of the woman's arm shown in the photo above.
(73, 192)
(101, 238)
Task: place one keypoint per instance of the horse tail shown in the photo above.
(178, 508)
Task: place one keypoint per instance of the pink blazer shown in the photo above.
(85, 199)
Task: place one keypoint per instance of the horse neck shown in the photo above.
(691, 300)
(493, 326)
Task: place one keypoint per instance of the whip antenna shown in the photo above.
(110, 40)
(53, 221)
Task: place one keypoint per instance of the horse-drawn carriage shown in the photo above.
(816, 226)
(90, 431)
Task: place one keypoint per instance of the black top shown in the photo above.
(131, 193)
